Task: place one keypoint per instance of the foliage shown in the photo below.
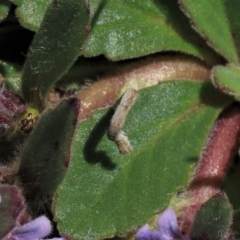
(56, 106)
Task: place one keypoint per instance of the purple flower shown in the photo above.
(34, 230)
(167, 229)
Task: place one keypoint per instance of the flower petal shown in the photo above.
(145, 233)
(55, 239)
(34, 230)
(167, 223)
(168, 226)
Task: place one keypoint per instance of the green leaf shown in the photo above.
(105, 193)
(125, 29)
(231, 7)
(12, 76)
(158, 26)
(4, 8)
(31, 13)
(236, 224)
(227, 79)
(231, 186)
(54, 49)
(11, 206)
(45, 157)
(210, 19)
(213, 220)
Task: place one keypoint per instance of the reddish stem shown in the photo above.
(221, 146)
(140, 74)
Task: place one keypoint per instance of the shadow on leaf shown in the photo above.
(97, 13)
(91, 154)
(213, 97)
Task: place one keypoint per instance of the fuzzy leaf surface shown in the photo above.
(45, 157)
(214, 20)
(105, 193)
(11, 206)
(4, 8)
(231, 7)
(12, 76)
(158, 26)
(231, 186)
(227, 79)
(54, 49)
(213, 219)
(31, 13)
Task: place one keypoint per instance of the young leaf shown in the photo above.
(210, 19)
(54, 49)
(11, 206)
(213, 219)
(46, 155)
(227, 79)
(167, 128)
(4, 8)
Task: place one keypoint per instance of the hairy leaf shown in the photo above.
(213, 219)
(231, 7)
(31, 13)
(11, 206)
(227, 79)
(45, 157)
(54, 49)
(12, 76)
(125, 29)
(105, 193)
(231, 186)
(158, 26)
(4, 8)
(211, 19)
